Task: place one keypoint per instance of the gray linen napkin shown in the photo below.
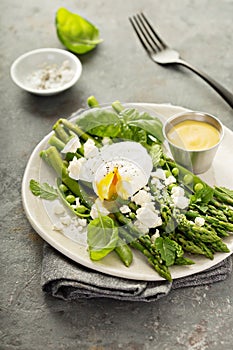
(65, 279)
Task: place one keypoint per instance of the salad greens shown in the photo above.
(76, 33)
(169, 250)
(198, 227)
(101, 123)
(102, 237)
(44, 191)
(128, 123)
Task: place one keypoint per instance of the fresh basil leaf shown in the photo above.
(133, 133)
(102, 237)
(128, 114)
(167, 250)
(151, 124)
(152, 127)
(203, 196)
(44, 191)
(202, 208)
(100, 122)
(76, 33)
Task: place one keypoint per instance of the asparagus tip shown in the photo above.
(92, 102)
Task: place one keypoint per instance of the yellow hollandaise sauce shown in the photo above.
(194, 135)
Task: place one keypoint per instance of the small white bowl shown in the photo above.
(31, 62)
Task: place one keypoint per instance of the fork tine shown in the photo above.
(149, 33)
(148, 37)
(141, 37)
(164, 46)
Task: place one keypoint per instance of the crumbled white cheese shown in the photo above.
(150, 206)
(90, 150)
(72, 145)
(77, 202)
(58, 209)
(148, 217)
(66, 220)
(178, 197)
(79, 228)
(170, 180)
(177, 191)
(75, 167)
(98, 209)
(125, 209)
(82, 222)
(180, 202)
(58, 226)
(106, 140)
(154, 236)
(144, 229)
(159, 174)
(157, 183)
(141, 197)
(199, 221)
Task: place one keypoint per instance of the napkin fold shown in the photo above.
(65, 279)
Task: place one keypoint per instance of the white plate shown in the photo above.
(39, 212)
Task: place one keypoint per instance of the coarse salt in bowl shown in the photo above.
(46, 71)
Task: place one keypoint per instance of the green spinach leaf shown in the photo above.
(76, 33)
(102, 237)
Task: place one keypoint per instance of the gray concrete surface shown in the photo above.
(195, 318)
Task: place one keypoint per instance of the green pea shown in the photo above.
(167, 173)
(70, 198)
(198, 187)
(63, 188)
(170, 187)
(81, 209)
(175, 171)
(161, 162)
(188, 179)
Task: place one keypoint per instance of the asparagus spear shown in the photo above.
(53, 158)
(55, 141)
(72, 127)
(92, 102)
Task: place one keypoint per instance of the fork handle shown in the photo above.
(226, 95)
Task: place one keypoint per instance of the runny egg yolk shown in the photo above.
(107, 186)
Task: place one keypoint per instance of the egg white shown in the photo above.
(132, 160)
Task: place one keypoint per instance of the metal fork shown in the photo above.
(160, 53)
